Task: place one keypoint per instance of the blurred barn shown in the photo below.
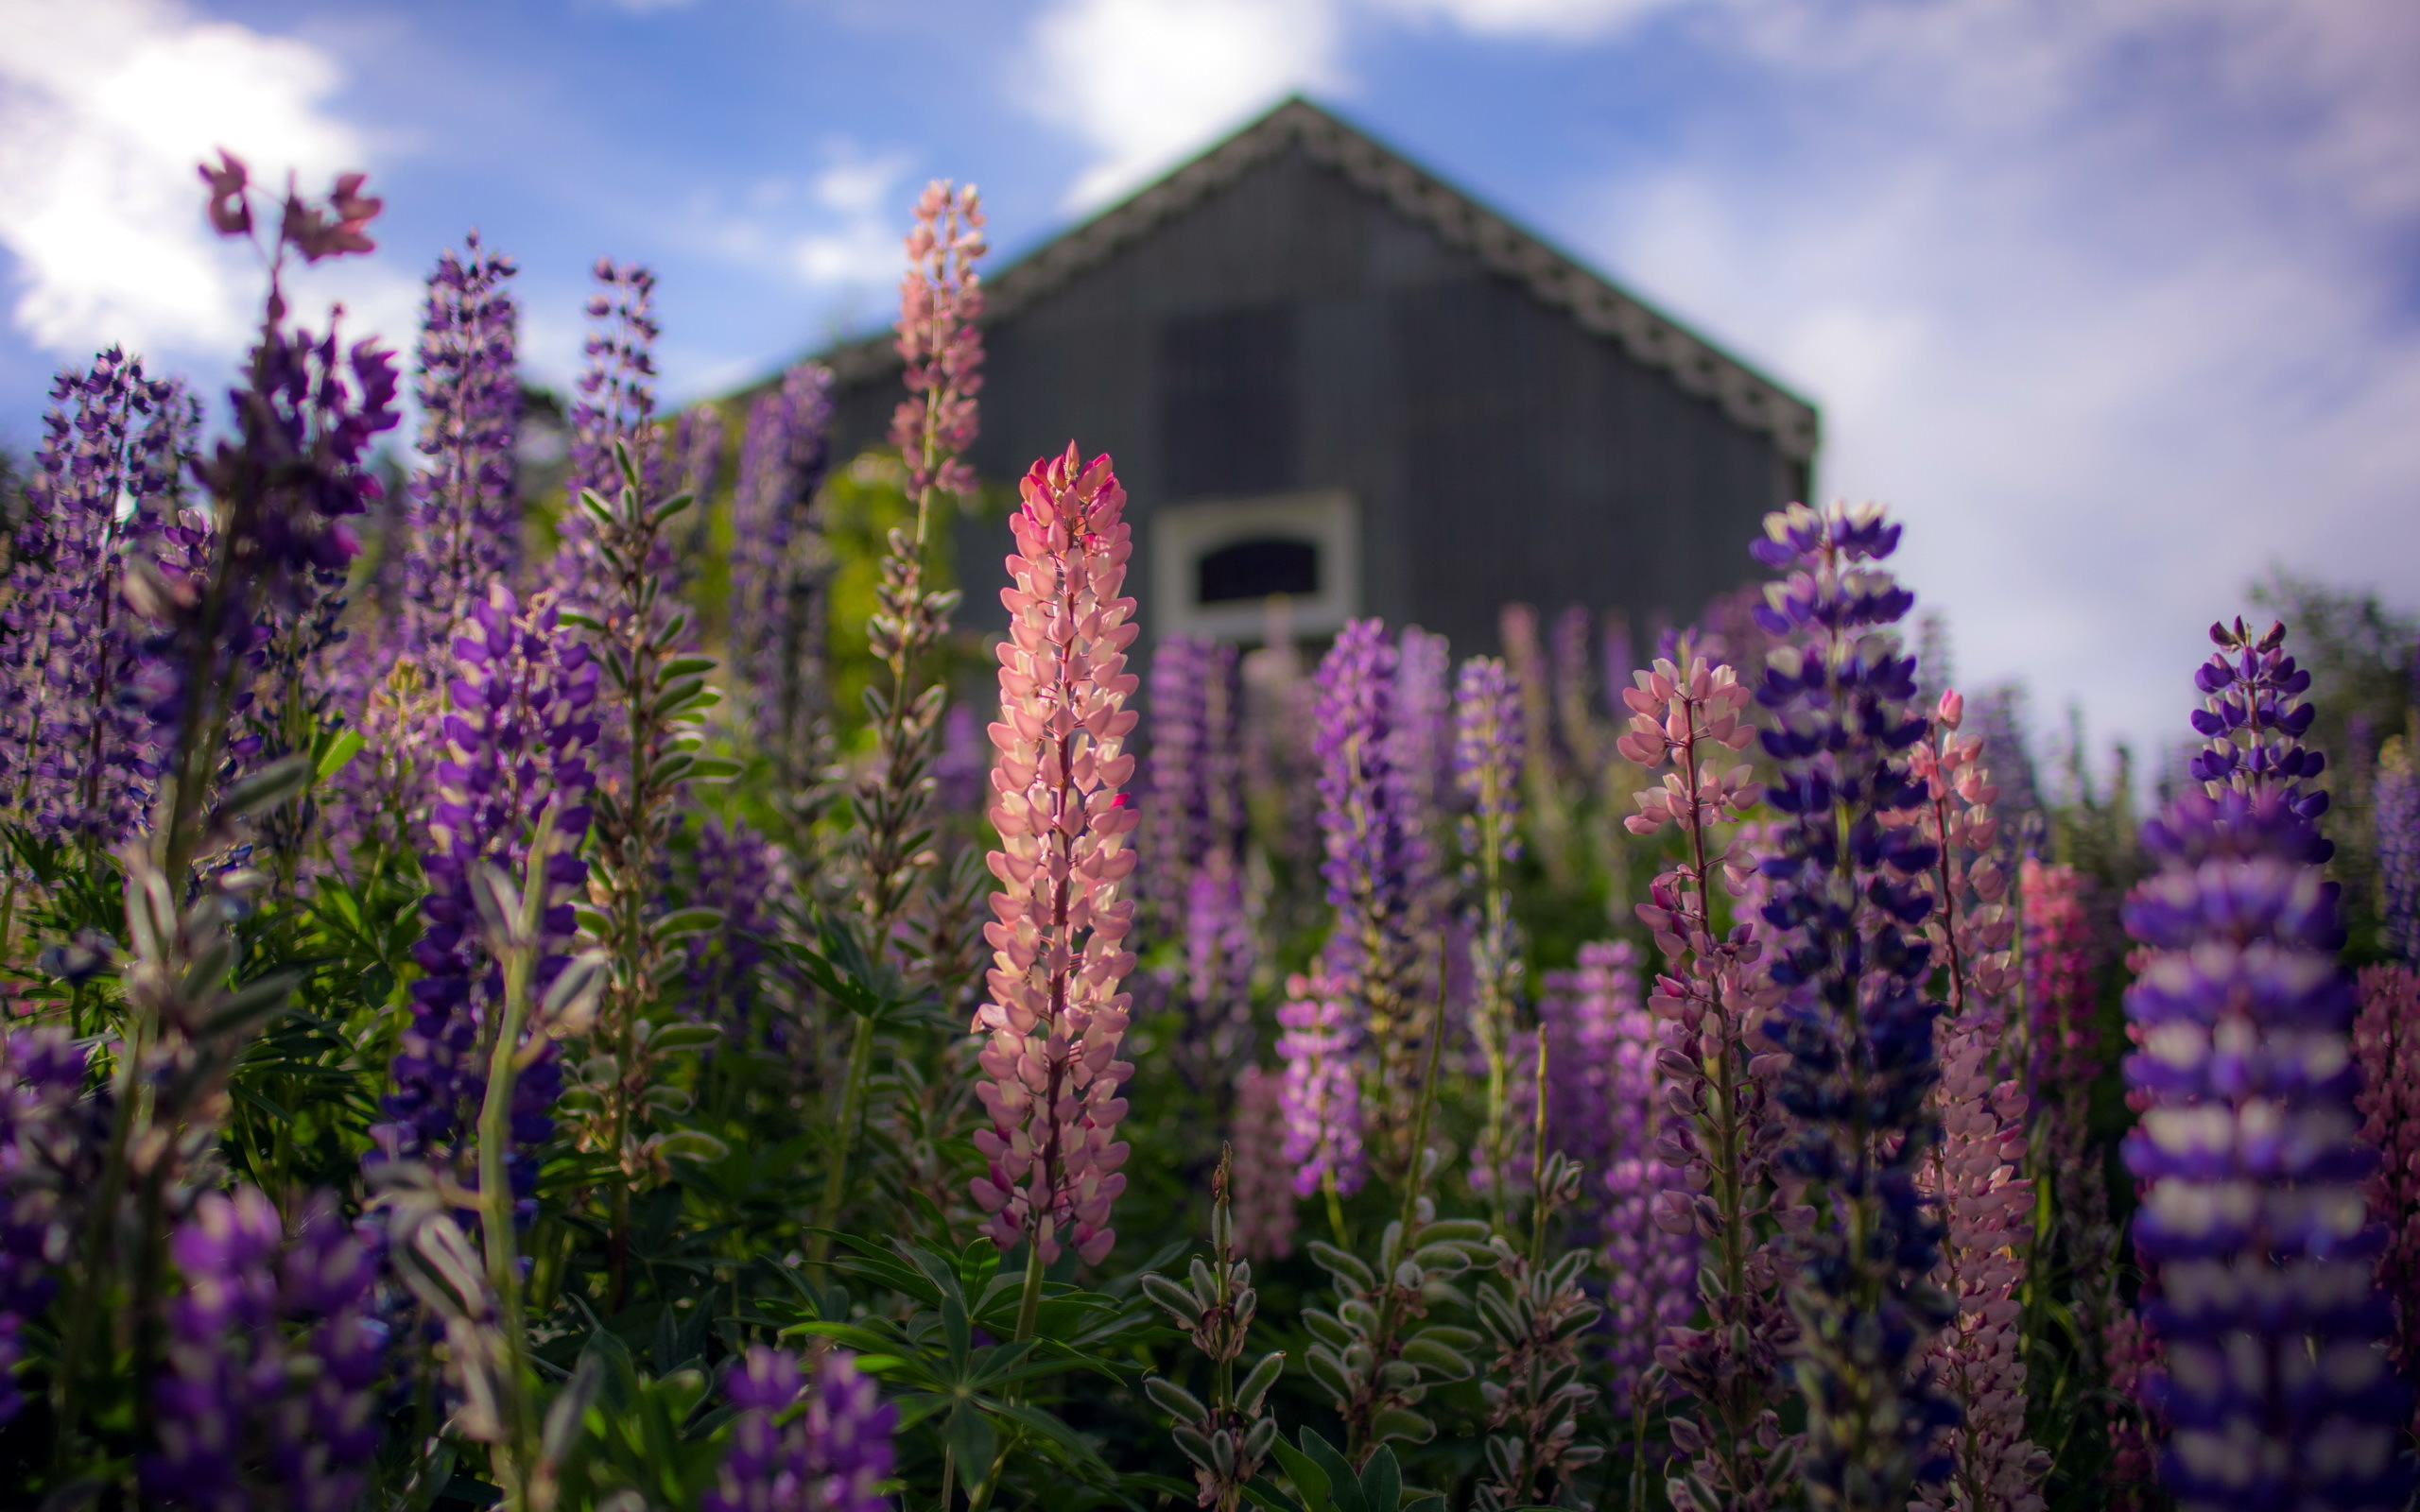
(1326, 373)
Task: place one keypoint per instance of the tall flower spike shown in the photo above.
(50, 1148)
(1196, 767)
(829, 1458)
(2386, 1046)
(1319, 1041)
(1488, 750)
(2276, 1389)
(779, 568)
(1719, 1131)
(465, 517)
(614, 405)
(2396, 806)
(1848, 898)
(739, 872)
(1264, 1182)
(1219, 959)
(1056, 1016)
(1375, 854)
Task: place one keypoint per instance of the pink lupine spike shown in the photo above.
(1055, 1012)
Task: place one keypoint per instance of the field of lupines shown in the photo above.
(487, 1027)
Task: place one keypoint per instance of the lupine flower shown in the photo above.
(1424, 734)
(779, 564)
(1218, 959)
(2397, 807)
(1374, 854)
(1575, 712)
(1487, 760)
(940, 309)
(1055, 1014)
(248, 1417)
(2250, 1146)
(739, 872)
(1319, 1041)
(74, 758)
(1196, 802)
(522, 724)
(1264, 1178)
(50, 1144)
(465, 517)
(2386, 1046)
(615, 404)
(1988, 1209)
(1999, 718)
(829, 1458)
(1848, 896)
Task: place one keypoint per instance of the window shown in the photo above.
(1216, 563)
(1257, 568)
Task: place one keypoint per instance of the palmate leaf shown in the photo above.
(844, 970)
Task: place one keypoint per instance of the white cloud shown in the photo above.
(106, 106)
(1145, 82)
(2110, 302)
(1553, 20)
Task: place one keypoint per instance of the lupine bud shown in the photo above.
(1056, 1014)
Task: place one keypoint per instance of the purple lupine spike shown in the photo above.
(2386, 1044)
(615, 404)
(1375, 856)
(465, 519)
(1848, 897)
(1196, 803)
(73, 753)
(2249, 1141)
(1264, 1181)
(1651, 1271)
(522, 724)
(779, 566)
(1320, 1043)
(962, 768)
(830, 1458)
(1220, 955)
(692, 465)
(1575, 696)
(1424, 734)
(51, 1138)
(246, 1415)
(1488, 754)
(738, 871)
(2396, 808)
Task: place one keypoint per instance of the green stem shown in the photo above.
(1538, 1196)
(75, 1338)
(1335, 1211)
(1029, 1302)
(836, 1180)
(514, 1458)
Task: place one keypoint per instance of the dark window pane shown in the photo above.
(1255, 569)
(1227, 401)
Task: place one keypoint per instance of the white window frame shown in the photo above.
(1182, 534)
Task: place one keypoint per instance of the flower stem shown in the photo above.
(836, 1180)
(495, 1211)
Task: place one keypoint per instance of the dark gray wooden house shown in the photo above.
(1325, 372)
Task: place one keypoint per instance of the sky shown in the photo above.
(2116, 303)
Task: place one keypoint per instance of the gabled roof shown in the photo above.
(1600, 306)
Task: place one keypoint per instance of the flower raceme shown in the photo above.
(1056, 1015)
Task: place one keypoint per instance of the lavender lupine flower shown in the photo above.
(518, 736)
(248, 1417)
(2277, 1390)
(2386, 1046)
(1319, 1041)
(1848, 896)
(738, 871)
(50, 1143)
(1055, 1015)
(1196, 804)
(779, 566)
(1264, 1179)
(614, 406)
(74, 756)
(1425, 734)
(2395, 805)
(1575, 710)
(1488, 750)
(829, 1458)
(1375, 854)
(465, 517)
(1218, 959)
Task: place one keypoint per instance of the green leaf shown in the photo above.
(968, 1434)
(1310, 1480)
(268, 788)
(337, 753)
(1382, 1482)
(1344, 1488)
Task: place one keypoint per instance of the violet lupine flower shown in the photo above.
(2395, 802)
(1055, 1014)
(518, 736)
(2249, 1142)
(465, 517)
(941, 341)
(1574, 699)
(1423, 735)
(1988, 1209)
(1196, 766)
(1848, 900)
(1263, 1193)
(829, 1458)
(1319, 1041)
(74, 754)
(50, 1143)
(1487, 759)
(2386, 1046)
(779, 564)
(248, 1417)
(1219, 956)
(1376, 854)
(615, 404)
(737, 870)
